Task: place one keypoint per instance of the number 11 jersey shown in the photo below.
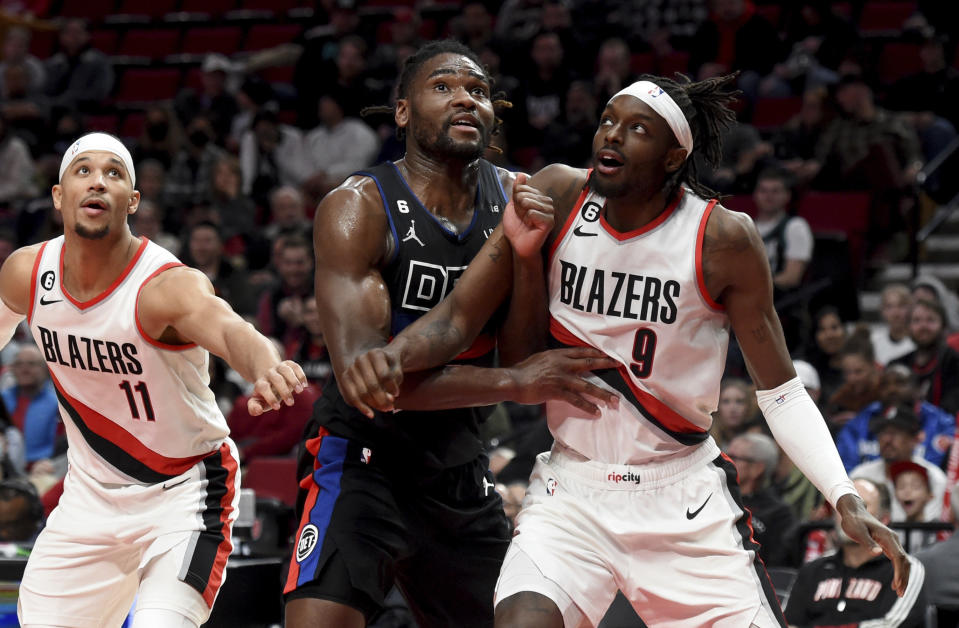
(639, 297)
(135, 410)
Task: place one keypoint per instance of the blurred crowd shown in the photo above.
(837, 98)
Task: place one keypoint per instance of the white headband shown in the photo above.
(660, 102)
(99, 141)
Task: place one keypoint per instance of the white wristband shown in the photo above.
(799, 428)
(8, 323)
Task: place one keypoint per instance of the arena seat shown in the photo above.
(154, 9)
(273, 476)
(262, 36)
(105, 40)
(87, 9)
(771, 113)
(883, 17)
(898, 59)
(154, 43)
(202, 40)
(108, 123)
(147, 85)
(210, 7)
(133, 124)
(740, 203)
(677, 61)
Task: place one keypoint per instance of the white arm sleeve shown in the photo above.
(8, 323)
(799, 428)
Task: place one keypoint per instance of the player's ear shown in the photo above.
(57, 193)
(402, 113)
(675, 158)
(134, 202)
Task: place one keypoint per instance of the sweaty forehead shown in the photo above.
(452, 64)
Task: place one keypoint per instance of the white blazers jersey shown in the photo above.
(640, 298)
(136, 410)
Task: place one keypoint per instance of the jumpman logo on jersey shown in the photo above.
(411, 234)
(487, 485)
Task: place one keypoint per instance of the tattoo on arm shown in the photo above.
(497, 253)
(439, 336)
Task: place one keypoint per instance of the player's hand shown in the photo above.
(528, 218)
(866, 530)
(556, 375)
(372, 382)
(277, 385)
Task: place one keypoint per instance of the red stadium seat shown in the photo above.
(897, 60)
(278, 74)
(222, 39)
(108, 123)
(213, 7)
(193, 79)
(771, 12)
(42, 43)
(268, 35)
(149, 42)
(87, 9)
(133, 124)
(774, 112)
(105, 40)
(273, 477)
(741, 203)
(843, 212)
(677, 61)
(642, 63)
(274, 5)
(148, 84)
(153, 9)
(879, 17)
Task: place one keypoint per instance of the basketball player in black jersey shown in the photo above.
(407, 497)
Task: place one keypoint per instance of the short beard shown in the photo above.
(89, 234)
(442, 144)
(609, 191)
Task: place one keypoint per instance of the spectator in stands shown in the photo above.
(756, 457)
(473, 26)
(338, 147)
(17, 174)
(280, 310)
(519, 20)
(16, 51)
(27, 111)
(935, 362)
(860, 379)
(942, 564)
(891, 339)
(253, 95)
(789, 248)
(188, 180)
(897, 385)
(829, 335)
(161, 138)
(735, 37)
(745, 155)
(310, 349)
(13, 461)
(736, 410)
(823, 595)
(235, 213)
(613, 70)
(931, 288)
(820, 39)
(541, 95)
(287, 213)
(271, 154)
(912, 492)
(570, 140)
(205, 253)
(898, 430)
(21, 513)
(213, 99)
(934, 88)
(794, 143)
(148, 222)
(79, 77)
(33, 407)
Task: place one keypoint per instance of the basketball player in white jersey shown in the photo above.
(642, 266)
(152, 488)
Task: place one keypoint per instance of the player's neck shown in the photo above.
(855, 555)
(91, 266)
(628, 213)
(448, 186)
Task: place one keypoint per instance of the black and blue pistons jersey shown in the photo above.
(426, 260)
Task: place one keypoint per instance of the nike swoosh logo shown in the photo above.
(582, 233)
(167, 487)
(692, 515)
(44, 302)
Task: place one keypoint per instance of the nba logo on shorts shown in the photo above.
(307, 542)
(365, 455)
(551, 486)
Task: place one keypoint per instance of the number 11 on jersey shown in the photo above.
(141, 388)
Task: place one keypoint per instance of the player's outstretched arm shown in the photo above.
(179, 306)
(15, 290)
(737, 275)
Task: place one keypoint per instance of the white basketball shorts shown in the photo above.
(673, 536)
(166, 543)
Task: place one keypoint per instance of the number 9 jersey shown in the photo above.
(135, 410)
(640, 297)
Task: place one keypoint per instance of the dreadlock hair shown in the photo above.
(706, 107)
(416, 60)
